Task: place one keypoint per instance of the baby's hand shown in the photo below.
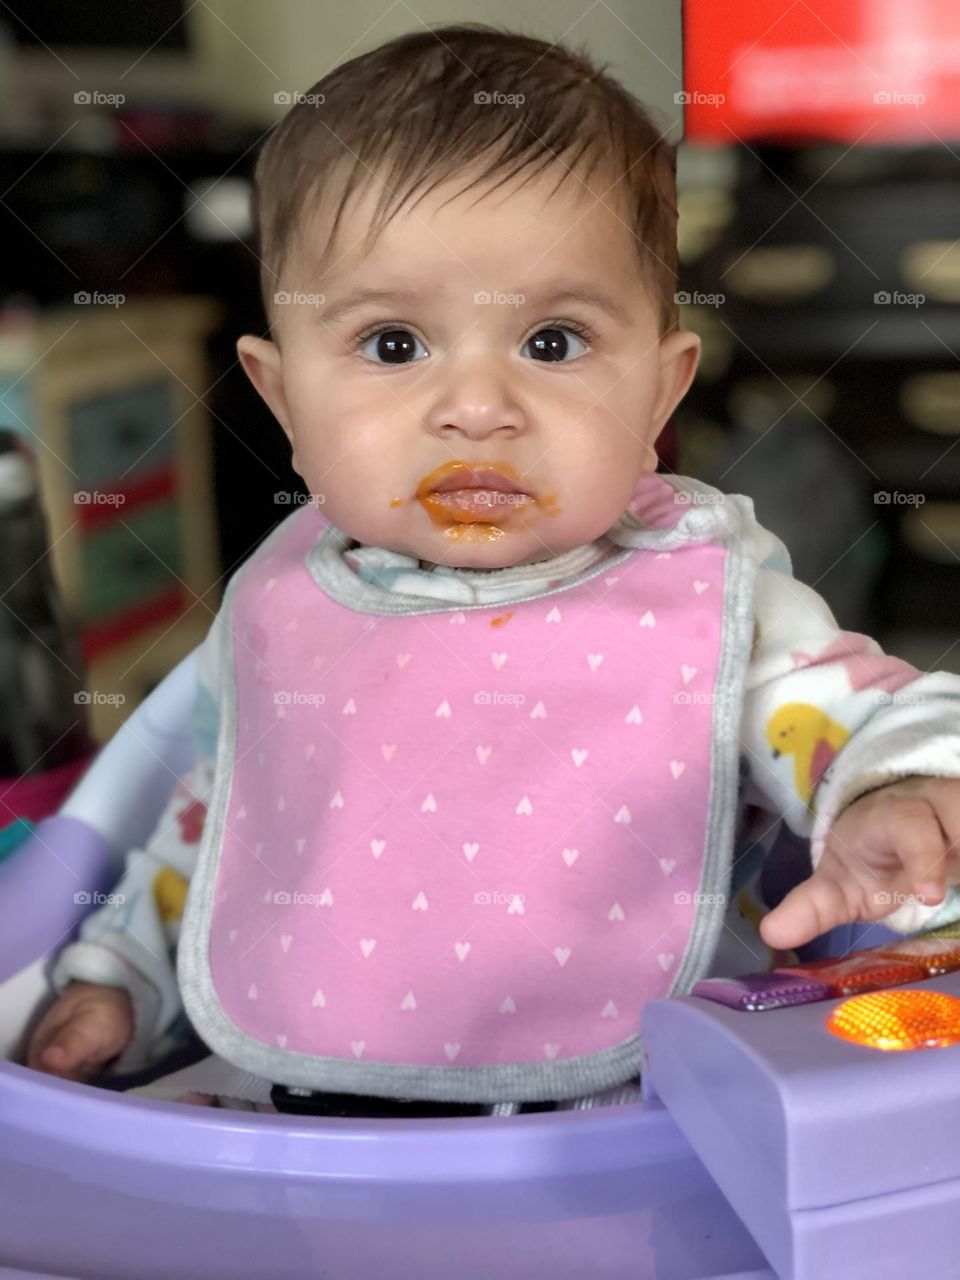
(88, 1025)
(900, 841)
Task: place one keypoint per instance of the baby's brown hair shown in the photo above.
(428, 105)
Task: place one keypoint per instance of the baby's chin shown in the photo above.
(464, 555)
(468, 545)
(490, 560)
(468, 551)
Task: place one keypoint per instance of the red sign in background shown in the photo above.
(870, 71)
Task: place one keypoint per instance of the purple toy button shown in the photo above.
(755, 992)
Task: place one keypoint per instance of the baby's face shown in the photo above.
(476, 352)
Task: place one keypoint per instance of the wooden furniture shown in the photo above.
(109, 398)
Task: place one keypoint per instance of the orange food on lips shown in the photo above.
(462, 516)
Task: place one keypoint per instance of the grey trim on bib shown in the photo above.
(520, 1082)
(324, 562)
(735, 646)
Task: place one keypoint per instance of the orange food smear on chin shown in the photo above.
(475, 531)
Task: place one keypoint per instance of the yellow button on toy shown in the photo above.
(898, 1020)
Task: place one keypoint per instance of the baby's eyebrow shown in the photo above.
(553, 295)
(583, 293)
(361, 297)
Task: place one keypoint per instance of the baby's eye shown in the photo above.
(553, 344)
(392, 346)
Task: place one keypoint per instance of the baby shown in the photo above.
(493, 731)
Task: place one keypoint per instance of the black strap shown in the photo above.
(355, 1104)
(183, 1055)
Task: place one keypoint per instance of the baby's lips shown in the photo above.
(477, 504)
(459, 492)
(481, 479)
(457, 474)
(476, 499)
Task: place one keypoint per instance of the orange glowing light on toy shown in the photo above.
(898, 1020)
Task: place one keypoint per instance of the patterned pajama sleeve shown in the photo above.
(828, 716)
(131, 940)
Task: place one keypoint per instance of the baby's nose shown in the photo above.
(480, 426)
(477, 402)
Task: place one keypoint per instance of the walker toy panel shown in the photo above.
(822, 1099)
(100, 1187)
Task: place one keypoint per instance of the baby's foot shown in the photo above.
(198, 1099)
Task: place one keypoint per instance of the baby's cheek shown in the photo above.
(357, 480)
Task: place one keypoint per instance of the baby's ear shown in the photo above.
(262, 364)
(679, 357)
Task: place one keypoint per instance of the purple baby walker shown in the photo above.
(98, 1185)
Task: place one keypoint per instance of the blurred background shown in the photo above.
(819, 191)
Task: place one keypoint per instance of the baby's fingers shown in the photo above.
(910, 829)
(76, 1051)
(73, 1049)
(812, 908)
(923, 851)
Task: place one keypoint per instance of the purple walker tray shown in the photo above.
(106, 1188)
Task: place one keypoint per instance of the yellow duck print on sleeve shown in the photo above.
(170, 894)
(813, 739)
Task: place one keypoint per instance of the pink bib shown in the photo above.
(452, 853)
